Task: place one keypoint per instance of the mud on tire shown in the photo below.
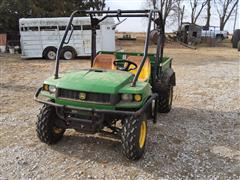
(46, 129)
(133, 142)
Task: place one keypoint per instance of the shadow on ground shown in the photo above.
(182, 141)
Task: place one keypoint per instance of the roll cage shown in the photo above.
(154, 16)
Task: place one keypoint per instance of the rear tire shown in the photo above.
(68, 53)
(47, 131)
(133, 137)
(165, 98)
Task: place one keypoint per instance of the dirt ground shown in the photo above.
(198, 139)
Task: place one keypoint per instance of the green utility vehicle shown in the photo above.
(119, 94)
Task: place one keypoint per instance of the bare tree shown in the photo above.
(179, 12)
(196, 9)
(208, 13)
(235, 19)
(165, 6)
(225, 9)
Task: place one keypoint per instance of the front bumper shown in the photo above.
(93, 111)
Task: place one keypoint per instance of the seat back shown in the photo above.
(104, 61)
(146, 70)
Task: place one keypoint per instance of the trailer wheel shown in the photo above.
(47, 131)
(165, 98)
(68, 53)
(133, 137)
(50, 53)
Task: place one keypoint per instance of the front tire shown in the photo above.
(47, 131)
(133, 137)
(50, 53)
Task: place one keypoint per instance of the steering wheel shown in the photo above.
(125, 67)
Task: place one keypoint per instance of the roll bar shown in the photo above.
(118, 13)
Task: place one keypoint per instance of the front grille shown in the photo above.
(97, 97)
(91, 97)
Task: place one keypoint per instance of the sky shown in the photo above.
(140, 24)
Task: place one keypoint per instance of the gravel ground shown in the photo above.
(198, 139)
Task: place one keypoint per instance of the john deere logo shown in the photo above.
(82, 96)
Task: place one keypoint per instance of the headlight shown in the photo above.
(45, 87)
(127, 97)
(52, 89)
(82, 96)
(137, 97)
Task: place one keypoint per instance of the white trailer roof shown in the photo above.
(60, 21)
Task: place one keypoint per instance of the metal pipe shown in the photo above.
(155, 68)
(161, 40)
(145, 50)
(116, 11)
(126, 15)
(93, 39)
(61, 44)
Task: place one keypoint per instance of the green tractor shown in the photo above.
(119, 94)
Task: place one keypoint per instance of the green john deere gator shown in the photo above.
(119, 94)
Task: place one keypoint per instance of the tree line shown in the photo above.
(198, 8)
(12, 10)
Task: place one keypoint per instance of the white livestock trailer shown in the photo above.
(40, 37)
